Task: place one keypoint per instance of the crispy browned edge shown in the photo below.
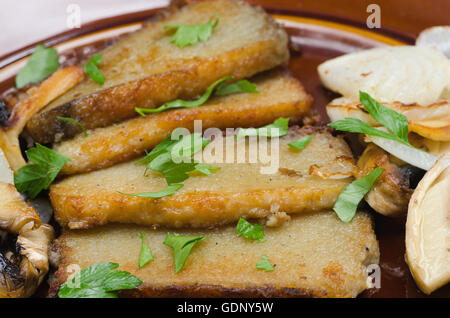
(177, 291)
(178, 115)
(203, 291)
(200, 290)
(102, 110)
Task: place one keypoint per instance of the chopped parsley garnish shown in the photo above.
(38, 175)
(76, 122)
(301, 143)
(241, 86)
(41, 64)
(396, 123)
(145, 254)
(182, 246)
(265, 264)
(98, 281)
(280, 127)
(167, 191)
(250, 231)
(347, 202)
(173, 159)
(179, 103)
(91, 68)
(186, 34)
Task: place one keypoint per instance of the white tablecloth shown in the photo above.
(26, 21)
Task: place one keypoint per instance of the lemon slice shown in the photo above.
(428, 228)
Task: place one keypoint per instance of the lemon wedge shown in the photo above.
(428, 228)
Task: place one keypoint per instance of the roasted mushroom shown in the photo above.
(24, 240)
(391, 193)
(58, 83)
(24, 245)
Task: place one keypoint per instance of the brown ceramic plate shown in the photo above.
(314, 40)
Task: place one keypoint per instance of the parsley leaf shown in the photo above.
(347, 202)
(98, 281)
(179, 103)
(250, 231)
(395, 122)
(280, 124)
(164, 146)
(182, 246)
(169, 190)
(42, 63)
(37, 176)
(172, 172)
(241, 86)
(301, 143)
(265, 264)
(76, 122)
(91, 68)
(190, 34)
(187, 146)
(172, 158)
(205, 169)
(358, 126)
(145, 255)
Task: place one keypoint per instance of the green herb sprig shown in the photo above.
(173, 159)
(39, 175)
(347, 202)
(98, 281)
(181, 246)
(396, 123)
(265, 264)
(41, 64)
(280, 125)
(301, 143)
(186, 34)
(250, 231)
(145, 255)
(76, 122)
(91, 68)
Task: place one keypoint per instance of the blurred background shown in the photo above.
(23, 22)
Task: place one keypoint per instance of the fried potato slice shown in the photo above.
(313, 255)
(280, 95)
(147, 70)
(237, 189)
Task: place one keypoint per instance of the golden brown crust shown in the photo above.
(314, 255)
(280, 95)
(164, 75)
(237, 189)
